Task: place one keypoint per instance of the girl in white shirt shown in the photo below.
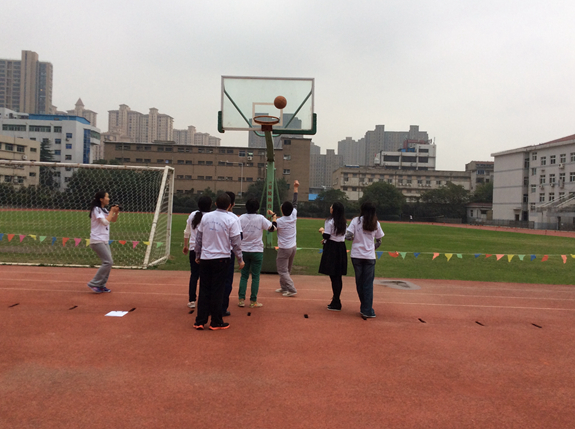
(334, 256)
(253, 224)
(362, 231)
(99, 238)
(204, 206)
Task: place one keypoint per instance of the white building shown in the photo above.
(71, 139)
(413, 156)
(17, 149)
(536, 183)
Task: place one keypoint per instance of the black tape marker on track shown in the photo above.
(191, 312)
(422, 321)
(73, 307)
(132, 309)
(13, 305)
(249, 314)
(537, 326)
(480, 324)
(306, 316)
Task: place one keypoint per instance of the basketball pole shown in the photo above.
(268, 263)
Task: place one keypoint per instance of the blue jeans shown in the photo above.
(364, 274)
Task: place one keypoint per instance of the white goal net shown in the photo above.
(44, 213)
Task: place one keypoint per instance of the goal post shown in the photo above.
(44, 213)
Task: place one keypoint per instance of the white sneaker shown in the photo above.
(280, 290)
(192, 304)
(288, 293)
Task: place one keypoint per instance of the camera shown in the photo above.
(116, 205)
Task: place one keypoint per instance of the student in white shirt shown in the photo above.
(286, 231)
(230, 278)
(362, 231)
(215, 233)
(100, 220)
(204, 206)
(334, 255)
(253, 250)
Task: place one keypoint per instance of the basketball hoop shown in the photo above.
(266, 121)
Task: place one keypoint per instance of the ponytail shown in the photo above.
(204, 205)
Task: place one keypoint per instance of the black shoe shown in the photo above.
(220, 326)
(334, 307)
(227, 313)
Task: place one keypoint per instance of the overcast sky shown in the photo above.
(479, 76)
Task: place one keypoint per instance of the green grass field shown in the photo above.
(427, 239)
(409, 238)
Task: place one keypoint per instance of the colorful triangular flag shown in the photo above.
(564, 257)
(487, 255)
(122, 242)
(33, 236)
(87, 242)
(110, 242)
(320, 250)
(10, 237)
(393, 254)
(435, 255)
(53, 240)
(499, 256)
(403, 254)
(379, 254)
(134, 244)
(77, 241)
(510, 257)
(448, 256)
(417, 254)
(521, 257)
(21, 237)
(477, 255)
(460, 256)
(147, 243)
(533, 257)
(42, 238)
(544, 258)
(64, 240)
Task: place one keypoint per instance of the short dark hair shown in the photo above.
(232, 197)
(287, 208)
(223, 201)
(252, 205)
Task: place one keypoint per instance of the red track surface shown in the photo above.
(75, 368)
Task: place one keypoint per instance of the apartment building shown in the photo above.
(127, 125)
(18, 149)
(82, 112)
(26, 84)
(481, 173)
(412, 183)
(414, 155)
(322, 168)
(218, 167)
(70, 138)
(537, 184)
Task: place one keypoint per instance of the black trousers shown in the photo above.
(194, 277)
(213, 274)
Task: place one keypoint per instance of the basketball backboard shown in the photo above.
(244, 98)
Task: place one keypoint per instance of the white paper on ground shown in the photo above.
(117, 313)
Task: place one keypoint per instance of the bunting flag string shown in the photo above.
(392, 253)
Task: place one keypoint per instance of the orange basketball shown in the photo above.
(280, 102)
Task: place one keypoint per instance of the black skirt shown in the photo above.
(333, 259)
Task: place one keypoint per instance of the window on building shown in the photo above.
(118, 147)
(525, 181)
(287, 156)
(189, 162)
(286, 171)
(9, 127)
(563, 158)
(57, 129)
(208, 177)
(533, 189)
(551, 196)
(231, 151)
(287, 142)
(561, 178)
(552, 178)
(572, 156)
(160, 149)
(471, 213)
(542, 179)
(180, 161)
(147, 147)
(438, 182)
(189, 177)
(525, 198)
(229, 178)
(169, 149)
(533, 171)
(32, 174)
(389, 180)
(68, 157)
(209, 162)
(534, 156)
(160, 161)
(126, 159)
(147, 160)
(200, 177)
(139, 160)
(541, 198)
(543, 160)
(21, 149)
(39, 129)
(526, 163)
(571, 177)
(68, 146)
(180, 149)
(221, 178)
(68, 135)
(57, 152)
(552, 159)
(33, 149)
(201, 162)
(9, 146)
(242, 153)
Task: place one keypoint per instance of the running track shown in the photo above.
(452, 354)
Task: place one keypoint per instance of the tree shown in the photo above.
(483, 193)
(447, 201)
(387, 199)
(47, 174)
(256, 191)
(327, 197)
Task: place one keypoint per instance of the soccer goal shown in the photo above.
(44, 213)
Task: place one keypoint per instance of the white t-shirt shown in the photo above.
(237, 219)
(190, 230)
(100, 227)
(362, 244)
(252, 226)
(217, 229)
(287, 230)
(329, 228)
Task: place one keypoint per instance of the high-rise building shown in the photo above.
(26, 84)
(83, 113)
(364, 150)
(128, 125)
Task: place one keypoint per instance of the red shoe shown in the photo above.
(199, 327)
